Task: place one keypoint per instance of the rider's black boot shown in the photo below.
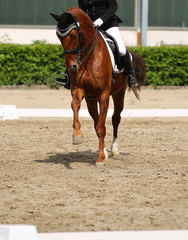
(65, 81)
(127, 64)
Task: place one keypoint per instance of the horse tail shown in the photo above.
(140, 71)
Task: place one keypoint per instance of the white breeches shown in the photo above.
(114, 32)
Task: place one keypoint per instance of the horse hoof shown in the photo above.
(100, 164)
(78, 139)
(115, 153)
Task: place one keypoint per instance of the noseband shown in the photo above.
(79, 50)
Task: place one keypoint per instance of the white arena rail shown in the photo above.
(130, 235)
(22, 112)
(10, 112)
(29, 232)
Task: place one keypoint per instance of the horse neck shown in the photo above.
(86, 25)
(88, 33)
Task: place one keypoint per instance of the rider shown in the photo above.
(102, 13)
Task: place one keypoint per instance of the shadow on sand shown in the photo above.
(67, 158)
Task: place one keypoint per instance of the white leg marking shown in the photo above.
(114, 147)
(106, 154)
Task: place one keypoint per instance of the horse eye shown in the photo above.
(74, 36)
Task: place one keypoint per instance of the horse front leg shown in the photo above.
(77, 137)
(101, 129)
(118, 100)
(93, 110)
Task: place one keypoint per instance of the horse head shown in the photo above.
(70, 28)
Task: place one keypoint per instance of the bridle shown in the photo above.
(80, 49)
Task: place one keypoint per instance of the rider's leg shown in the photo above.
(125, 56)
(127, 63)
(114, 32)
(65, 80)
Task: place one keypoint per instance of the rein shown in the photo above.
(87, 45)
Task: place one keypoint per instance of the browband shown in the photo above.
(65, 32)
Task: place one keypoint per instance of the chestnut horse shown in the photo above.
(90, 71)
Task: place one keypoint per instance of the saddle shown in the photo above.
(112, 43)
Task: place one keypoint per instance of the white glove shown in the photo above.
(98, 22)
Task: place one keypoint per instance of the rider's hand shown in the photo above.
(98, 22)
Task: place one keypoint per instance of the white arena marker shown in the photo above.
(18, 232)
(129, 235)
(8, 112)
(25, 112)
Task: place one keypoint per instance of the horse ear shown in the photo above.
(56, 17)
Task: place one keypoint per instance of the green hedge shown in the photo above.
(165, 65)
(39, 64)
(36, 64)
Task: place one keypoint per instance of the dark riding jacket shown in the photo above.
(104, 9)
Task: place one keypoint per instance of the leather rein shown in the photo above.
(79, 50)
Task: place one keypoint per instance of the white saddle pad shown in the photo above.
(114, 66)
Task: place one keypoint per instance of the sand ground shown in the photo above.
(48, 182)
